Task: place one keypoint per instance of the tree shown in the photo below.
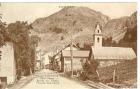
(90, 67)
(108, 41)
(34, 40)
(3, 33)
(24, 45)
(19, 35)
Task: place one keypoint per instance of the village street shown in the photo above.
(68, 46)
(47, 79)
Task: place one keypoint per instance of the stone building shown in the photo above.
(107, 56)
(7, 64)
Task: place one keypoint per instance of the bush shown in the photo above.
(57, 30)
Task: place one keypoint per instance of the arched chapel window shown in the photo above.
(98, 39)
(98, 31)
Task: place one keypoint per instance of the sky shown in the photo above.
(12, 12)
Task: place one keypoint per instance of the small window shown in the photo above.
(98, 31)
(98, 39)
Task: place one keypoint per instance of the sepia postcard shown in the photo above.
(68, 45)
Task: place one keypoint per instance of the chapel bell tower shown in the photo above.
(97, 36)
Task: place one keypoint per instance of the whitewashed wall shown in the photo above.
(7, 63)
(77, 65)
(107, 63)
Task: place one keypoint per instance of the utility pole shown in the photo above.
(40, 59)
(114, 73)
(71, 51)
(35, 54)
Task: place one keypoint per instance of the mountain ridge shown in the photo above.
(78, 22)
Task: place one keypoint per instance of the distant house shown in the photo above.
(46, 56)
(7, 64)
(38, 61)
(38, 65)
(78, 57)
(57, 58)
(109, 55)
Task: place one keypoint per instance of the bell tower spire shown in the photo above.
(97, 36)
